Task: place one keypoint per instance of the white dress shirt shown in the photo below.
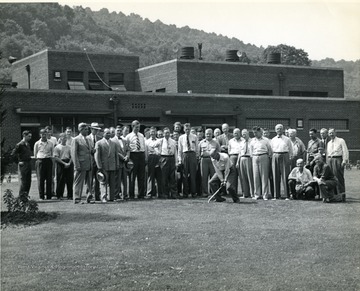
(337, 147)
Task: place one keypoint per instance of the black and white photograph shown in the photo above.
(180, 145)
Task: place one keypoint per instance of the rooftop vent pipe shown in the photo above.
(187, 52)
(232, 56)
(274, 58)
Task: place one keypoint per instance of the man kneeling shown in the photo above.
(301, 182)
(225, 175)
(326, 180)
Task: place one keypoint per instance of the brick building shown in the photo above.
(203, 93)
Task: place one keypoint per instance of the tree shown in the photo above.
(289, 55)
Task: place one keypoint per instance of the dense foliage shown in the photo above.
(29, 28)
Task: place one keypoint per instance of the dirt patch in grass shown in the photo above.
(22, 219)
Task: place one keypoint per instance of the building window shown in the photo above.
(75, 80)
(138, 105)
(116, 81)
(96, 81)
(308, 94)
(300, 123)
(268, 123)
(161, 90)
(57, 76)
(338, 124)
(250, 92)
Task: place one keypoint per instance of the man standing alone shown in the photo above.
(22, 154)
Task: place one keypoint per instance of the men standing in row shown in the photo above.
(337, 155)
(22, 154)
(81, 152)
(282, 152)
(93, 139)
(188, 144)
(261, 152)
(168, 158)
(64, 168)
(106, 158)
(207, 169)
(43, 152)
(136, 143)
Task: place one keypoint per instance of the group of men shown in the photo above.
(182, 163)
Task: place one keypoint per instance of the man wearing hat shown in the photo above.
(107, 162)
(81, 157)
(93, 138)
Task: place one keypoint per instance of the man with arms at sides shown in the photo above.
(298, 148)
(326, 180)
(152, 158)
(224, 138)
(233, 150)
(301, 182)
(106, 158)
(224, 176)
(22, 154)
(93, 138)
(282, 153)
(337, 154)
(43, 152)
(207, 168)
(179, 170)
(64, 168)
(266, 135)
(261, 152)
(136, 142)
(324, 139)
(121, 175)
(244, 164)
(82, 160)
(187, 152)
(53, 140)
(168, 158)
(312, 149)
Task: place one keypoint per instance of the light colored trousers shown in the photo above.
(246, 176)
(281, 171)
(80, 178)
(261, 168)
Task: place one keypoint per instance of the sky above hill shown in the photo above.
(328, 28)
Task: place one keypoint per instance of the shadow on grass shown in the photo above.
(18, 219)
(81, 217)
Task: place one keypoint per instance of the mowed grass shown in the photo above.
(187, 245)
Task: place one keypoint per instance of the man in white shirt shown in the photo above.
(244, 164)
(168, 157)
(233, 150)
(152, 159)
(187, 156)
(136, 142)
(224, 176)
(301, 182)
(337, 154)
(282, 153)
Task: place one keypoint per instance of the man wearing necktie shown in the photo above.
(81, 157)
(324, 140)
(107, 162)
(187, 152)
(136, 142)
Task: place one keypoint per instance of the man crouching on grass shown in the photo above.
(225, 175)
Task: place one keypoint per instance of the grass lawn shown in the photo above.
(187, 245)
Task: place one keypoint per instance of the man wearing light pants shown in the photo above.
(233, 150)
(282, 153)
(260, 150)
(244, 164)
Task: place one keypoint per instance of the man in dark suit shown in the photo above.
(106, 160)
(81, 157)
